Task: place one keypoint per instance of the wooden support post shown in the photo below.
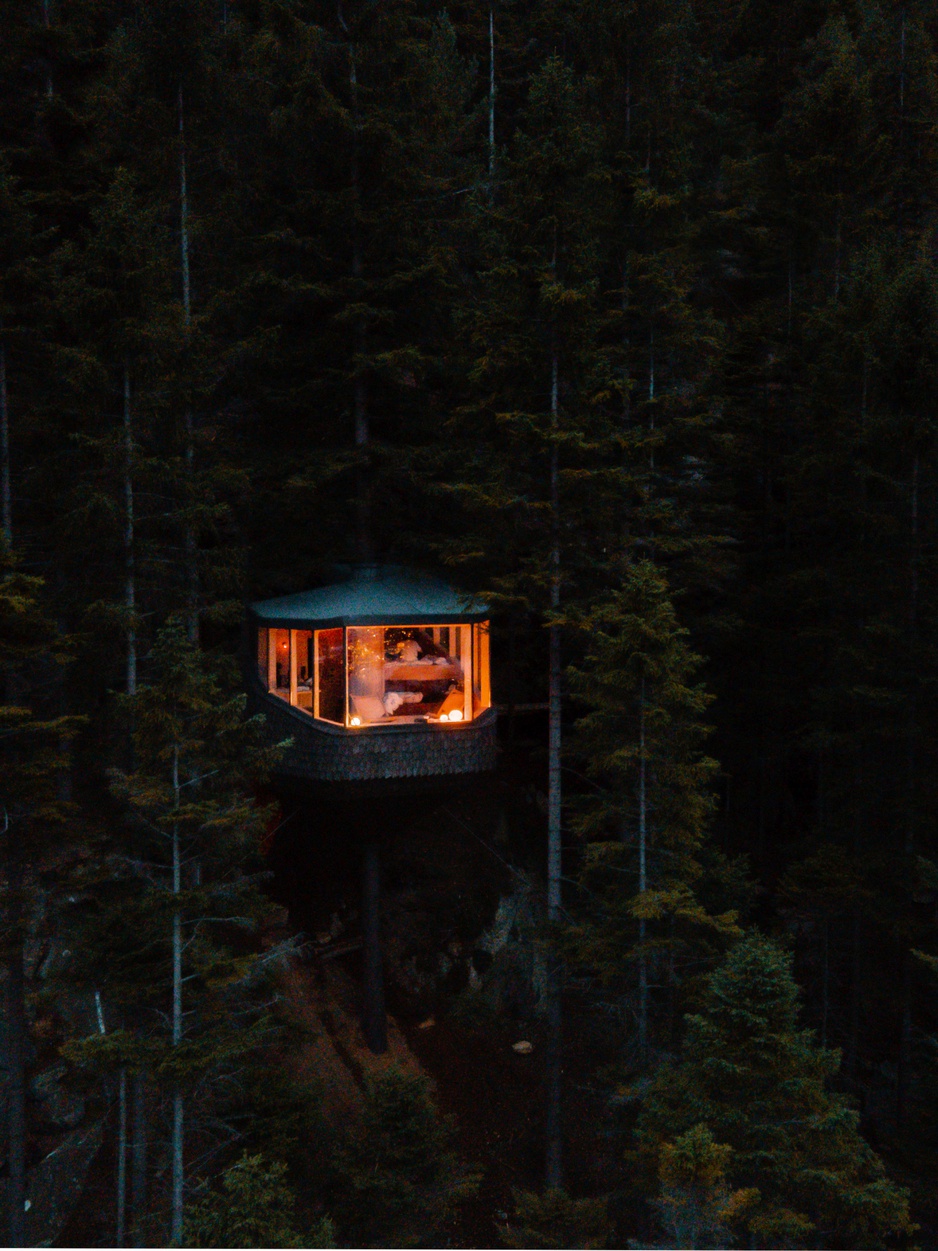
(468, 676)
(294, 643)
(314, 676)
(374, 1021)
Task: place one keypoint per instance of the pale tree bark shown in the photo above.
(16, 976)
(903, 1068)
(626, 344)
(130, 686)
(47, 23)
(651, 393)
(856, 930)
(121, 1178)
(130, 577)
(176, 1230)
(138, 1191)
(121, 1223)
(16, 1050)
(554, 1049)
(6, 494)
(189, 534)
(360, 387)
(825, 979)
(491, 103)
(642, 878)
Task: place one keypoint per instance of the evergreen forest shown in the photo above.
(621, 317)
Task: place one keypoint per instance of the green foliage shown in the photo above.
(749, 1078)
(36, 814)
(638, 674)
(646, 817)
(196, 758)
(254, 1207)
(553, 1219)
(697, 1206)
(399, 1176)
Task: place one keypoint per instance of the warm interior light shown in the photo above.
(355, 721)
(444, 716)
(455, 715)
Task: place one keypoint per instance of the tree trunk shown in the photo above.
(905, 1012)
(825, 979)
(360, 389)
(130, 583)
(491, 103)
(6, 497)
(16, 1051)
(553, 1058)
(903, 1068)
(374, 1019)
(642, 880)
(121, 1158)
(853, 1029)
(177, 1134)
(138, 1190)
(626, 345)
(554, 1050)
(47, 23)
(189, 536)
(651, 394)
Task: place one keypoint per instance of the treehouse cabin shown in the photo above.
(383, 676)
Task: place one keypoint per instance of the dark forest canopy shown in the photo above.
(622, 315)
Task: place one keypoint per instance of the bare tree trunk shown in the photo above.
(374, 1019)
(6, 497)
(825, 980)
(853, 1027)
(138, 1148)
(905, 1007)
(360, 389)
(16, 1051)
(651, 393)
(121, 1158)
(177, 1134)
(130, 582)
(554, 1049)
(903, 1068)
(512, 683)
(491, 103)
(626, 344)
(189, 535)
(554, 693)
(138, 1191)
(47, 23)
(628, 99)
(642, 879)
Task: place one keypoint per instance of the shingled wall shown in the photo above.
(325, 753)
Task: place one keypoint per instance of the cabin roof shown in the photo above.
(373, 595)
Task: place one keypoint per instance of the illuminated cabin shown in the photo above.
(383, 676)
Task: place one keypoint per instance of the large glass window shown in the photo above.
(329, 666)
(409, 673)
(481, 682)
(301, 677)
(278, 663)
(371, 675)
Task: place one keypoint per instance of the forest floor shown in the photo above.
(492, 1093)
